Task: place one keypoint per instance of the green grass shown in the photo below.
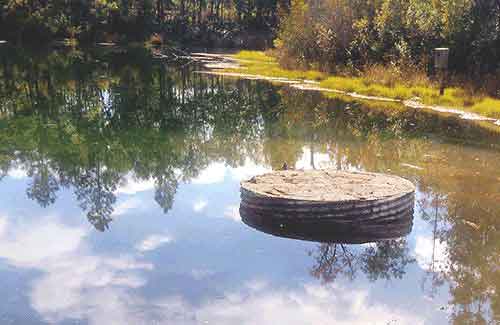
(487, 107)
(258, 56)
(401, 92)
(260, 63)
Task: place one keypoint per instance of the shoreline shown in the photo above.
(232, 66)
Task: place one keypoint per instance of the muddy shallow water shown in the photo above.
(120, 200)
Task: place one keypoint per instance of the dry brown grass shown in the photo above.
(392, 75)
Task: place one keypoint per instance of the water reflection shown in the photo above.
(99, 126)
(328, 230)
(381, 260)
(384, 255)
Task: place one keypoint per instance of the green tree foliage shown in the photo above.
(360, 32)
(124, 20)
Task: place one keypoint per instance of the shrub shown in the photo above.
(334, 34)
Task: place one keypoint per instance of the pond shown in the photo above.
(119, 184)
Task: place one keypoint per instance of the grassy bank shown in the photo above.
(373, 84)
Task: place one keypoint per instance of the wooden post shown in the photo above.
(441, 65)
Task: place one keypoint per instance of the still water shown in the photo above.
(119, 189)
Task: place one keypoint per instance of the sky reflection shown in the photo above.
(211, 267)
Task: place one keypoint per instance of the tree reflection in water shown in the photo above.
(344, 251)
(380, 260)
(95, 192)
(165, 190)
(77, 123)
(431, 207)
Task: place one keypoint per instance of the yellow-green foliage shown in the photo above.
(259, 56)
(488, 107)
(260, 63)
